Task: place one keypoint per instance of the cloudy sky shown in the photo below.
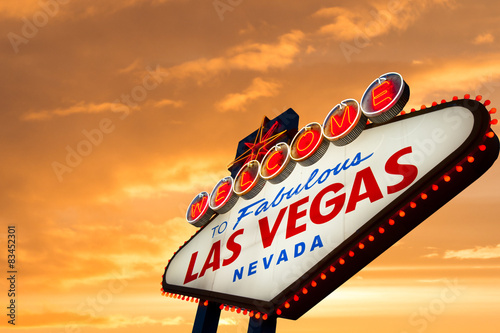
(165, 89)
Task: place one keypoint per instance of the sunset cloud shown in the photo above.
(238, 101)
(259, 57)
(485, 38)
(479, 252)
(74, 320)
(366, 22)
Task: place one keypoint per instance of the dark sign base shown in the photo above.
(207, 318)
(262, 326)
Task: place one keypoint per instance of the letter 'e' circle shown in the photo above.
(385, 97)
(222, 198)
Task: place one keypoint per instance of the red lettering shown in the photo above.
(338, 129)
(382, 95)
(373, 192)
(293, 215)
(199, 206)
(266, 234)
(277, 161)
(213, 259)
(337, 202)
(189, 274)
(408, 171)
(222, 192)
(233, 247)
(243, 182)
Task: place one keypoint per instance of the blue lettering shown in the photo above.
(238, 274)
(244, 212)
(298, 190)
(262, 208)
(252, 268)
(278, 196)
(300, 252)
(325, 174)
(282, 257)
(268, 263)
(311, 177)
(316, 243)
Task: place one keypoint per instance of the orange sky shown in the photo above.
(173, 85)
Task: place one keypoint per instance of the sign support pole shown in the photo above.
(262, 326)
(207, 318)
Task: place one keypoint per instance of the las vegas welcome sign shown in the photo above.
(304, 210)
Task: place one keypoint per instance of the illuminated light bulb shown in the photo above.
(245, 312)
(413, 205)
(192, 299)
(423, 196)
(455, 98)
(257, 315)
(493, 110)
(434, 103)
(196, 300)
(233, 309)
(459, 168)
(443, 101)
(391, 222)
(381, 230)
(296, 298)
(304, 291)
(287, 305)
(251, 314)
(479, 97)
(467, 96)
(482, 147)
(494, 122)
(205, 303)
(402, 213)
(351, 254)
(162, 276)
(487, 102)
(238, 310)
(435, 187)
(278, 312)
(368, 122)
(179, 296)
(446, 178)
(221, 306)
(332, 269)
(264, 316)
(183, 298)
(361, 246)
(403, 112)
(413, 110)
(423, 107)
(226, 308)
(187, 299)
(163, 294)
(341, 261)
(470, 159)
(323, 276)
(490, 135)
(313, 284)
(371, 238)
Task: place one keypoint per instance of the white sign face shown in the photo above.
(263, 245)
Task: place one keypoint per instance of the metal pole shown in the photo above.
(207, 318)
(262, 326)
